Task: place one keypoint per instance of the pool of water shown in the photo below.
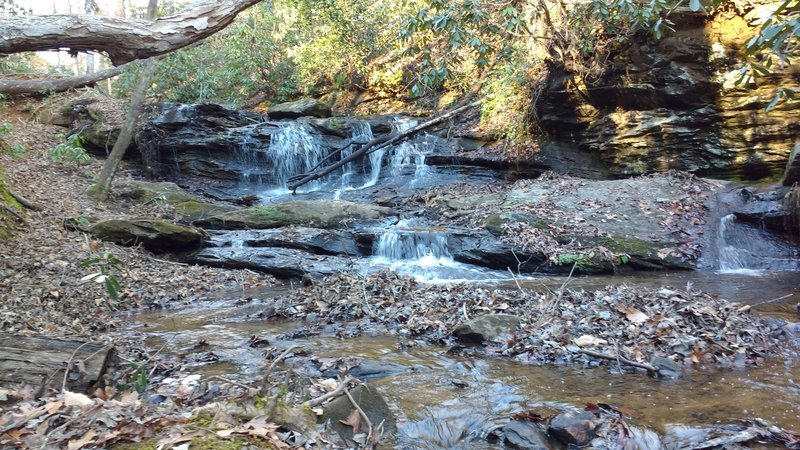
(433, 412)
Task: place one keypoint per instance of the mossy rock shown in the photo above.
(633, 252)
(585, 263)
(315, 213)
(147, 191)
(154, 234)
(494, 223)
(191, 211)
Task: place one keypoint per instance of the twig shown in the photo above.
(464, 310)
(278, 359)
(514, 277)
(620, 358)
(69, 364)
(363, 414)
(334, 393)
(225, 380)
(22, 200)
(15, 214)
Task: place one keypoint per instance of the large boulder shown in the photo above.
(316, 213)
(148, 191)
(154, 234)
(300, 108)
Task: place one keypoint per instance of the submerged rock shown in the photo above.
(525, 435)
(666, 368)
(317, 213)
(487, 327)
(373, 405)
(154, 234)
(573, 427)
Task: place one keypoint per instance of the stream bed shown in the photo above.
(446, 401)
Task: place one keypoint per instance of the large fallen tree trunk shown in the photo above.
(377, 144)
(123, 40)
(41, 362)
(16, 87)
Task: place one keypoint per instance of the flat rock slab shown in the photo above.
(312, 240)
(279, 262)
(40, 361)
(316, 213)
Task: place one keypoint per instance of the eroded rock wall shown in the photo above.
(673, 104)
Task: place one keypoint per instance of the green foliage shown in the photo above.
(106, 269)
(70, 150)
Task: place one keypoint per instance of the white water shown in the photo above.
(408, 153)
(748, 250)
(411, 248)
(293, 150)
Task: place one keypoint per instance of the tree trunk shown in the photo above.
(15, 87)
(124, 40)
(103, 186)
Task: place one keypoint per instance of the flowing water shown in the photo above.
(435, 410)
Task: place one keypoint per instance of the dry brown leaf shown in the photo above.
(87, 439)
(353, 420)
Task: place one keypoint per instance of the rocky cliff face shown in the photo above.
(673, 104)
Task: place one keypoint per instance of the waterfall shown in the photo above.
(731, 259)
(293, 150)
(407, 243)
(746, 249)
(402, 156)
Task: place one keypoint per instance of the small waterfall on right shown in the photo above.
(746, 249)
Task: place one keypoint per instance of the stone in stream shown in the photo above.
(487, 328)
(666, 368)
(370, 401)
(370, 369)
(573, 427)
(312, 240)
(525, 435)
(300, 108)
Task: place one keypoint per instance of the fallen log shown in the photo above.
(377, 144)
(16, 87)
(41, 362)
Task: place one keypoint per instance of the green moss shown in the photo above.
(268, 212)
(202, 443)
(7, 220)
(584, 263)
(192, 210)
(494, 223)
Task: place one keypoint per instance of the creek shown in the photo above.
(445, 401)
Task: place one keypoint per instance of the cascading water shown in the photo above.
(293, 150)
(404, 243)
(402, 156)
(745, 249)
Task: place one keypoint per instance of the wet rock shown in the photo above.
(317, 213)
(485, 250)
(279, 262)
(494, 222)
(525, 435)
(370, 401)
(154, 234)
(573, 427)
(312, 240)
(370, 369)
(300, 108)
(487, 328)
(666, 368)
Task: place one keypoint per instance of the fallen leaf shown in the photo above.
(87, 439)
(588, 339)
(353, 420)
